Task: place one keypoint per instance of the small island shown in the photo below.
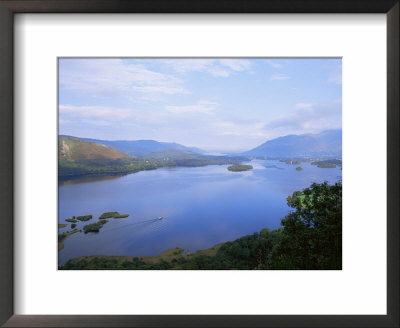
(114, 215)
(299, 168)
(84, 217)
(327, 164)
(94, 227)
(239, 168)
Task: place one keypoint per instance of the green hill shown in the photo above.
(77, 157)
(71, 148)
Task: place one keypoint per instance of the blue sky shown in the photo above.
(217, 104)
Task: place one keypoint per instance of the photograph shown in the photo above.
(214, 163)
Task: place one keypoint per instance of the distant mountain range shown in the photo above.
(139, 148)
(324, 144)
(84, 156)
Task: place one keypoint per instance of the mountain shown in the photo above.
(77, 157)
(324, 144)
(140, 148)
(71, 148)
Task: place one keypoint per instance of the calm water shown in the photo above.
(202, 206)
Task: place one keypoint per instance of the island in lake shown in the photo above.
(240, 168)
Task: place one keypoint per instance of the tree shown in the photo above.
(312, 234)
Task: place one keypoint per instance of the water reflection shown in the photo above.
(77, 179)
(202, 206)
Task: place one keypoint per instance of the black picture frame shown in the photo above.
(10, 7)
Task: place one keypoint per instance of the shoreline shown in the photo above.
(169, 255)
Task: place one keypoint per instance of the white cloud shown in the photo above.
(104, 77)
(215, 67)
(161, 89)
(201, 106)
(279, 77)
(273, 63)
(307, 118)
(96, 112)
(219, 72)
(245, 129)
(187, 65)
(236, 64)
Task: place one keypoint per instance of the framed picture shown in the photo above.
(138, 145)
(202, 165)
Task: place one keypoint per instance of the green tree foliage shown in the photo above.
(103, 263)
(312, 234)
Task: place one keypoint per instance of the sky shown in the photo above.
(220, 104)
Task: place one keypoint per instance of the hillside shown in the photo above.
(71, 148)
(177, 157)
(78, 157)
(140, 148)
(322, 145)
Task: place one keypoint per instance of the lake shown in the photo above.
(201, 206)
